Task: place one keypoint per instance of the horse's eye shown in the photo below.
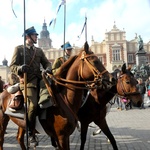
(128, 82)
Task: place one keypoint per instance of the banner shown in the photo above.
(62, 2)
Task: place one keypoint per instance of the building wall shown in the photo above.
(115, 39)
(4, 70)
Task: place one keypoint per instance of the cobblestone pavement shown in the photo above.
(130, 128)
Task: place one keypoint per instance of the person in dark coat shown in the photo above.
(34, 58)
(142, 89)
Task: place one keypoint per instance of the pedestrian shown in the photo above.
(34, 58)
(148, 93)
(119, 104)
(142, 89)
(1, 85)
(59, 61)
(147, 82)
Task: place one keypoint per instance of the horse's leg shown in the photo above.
(84, 129)
(3, 125)
(20, 137)
(63, 142)
(54, 144)
(104, 127)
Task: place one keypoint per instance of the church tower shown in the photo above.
(44, 41)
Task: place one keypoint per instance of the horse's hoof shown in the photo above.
(97, 132)
(33, 142)
(108, 140)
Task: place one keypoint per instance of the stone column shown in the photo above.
(141, 58)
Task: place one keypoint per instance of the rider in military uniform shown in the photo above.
(59, 61)
(34, 57)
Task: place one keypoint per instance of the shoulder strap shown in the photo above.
(33, 57)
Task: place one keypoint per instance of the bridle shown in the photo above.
(97, 74)
(123, 88)
(96, 83)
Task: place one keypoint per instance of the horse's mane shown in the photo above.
(62, 71)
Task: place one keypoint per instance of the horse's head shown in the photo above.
(126, 86)
(87, 67)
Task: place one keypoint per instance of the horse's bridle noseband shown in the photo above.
(98, 80)
(124, 91)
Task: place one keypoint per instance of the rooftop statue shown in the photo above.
(140, 43)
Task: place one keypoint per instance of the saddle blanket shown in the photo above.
(20, 114)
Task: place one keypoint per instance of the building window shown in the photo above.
(112, 37)
(116, 55)
(130, 58)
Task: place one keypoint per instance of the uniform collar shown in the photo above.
(28, 46)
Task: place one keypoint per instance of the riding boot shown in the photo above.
(32, 140)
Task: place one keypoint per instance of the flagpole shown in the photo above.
(25, 79)
(85, 28)
(64, 27)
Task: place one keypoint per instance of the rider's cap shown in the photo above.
(30, 31)
(67, 46)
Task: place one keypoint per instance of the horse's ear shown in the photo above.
(129, 67)
(86, 47)
(123, 69)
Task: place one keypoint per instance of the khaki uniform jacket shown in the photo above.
(34, 58)
(57, 63)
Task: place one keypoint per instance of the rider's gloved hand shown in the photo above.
(23, 69)
(49, 70)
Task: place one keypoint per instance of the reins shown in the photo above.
(63, 82)
(72, 84)
(79, 84)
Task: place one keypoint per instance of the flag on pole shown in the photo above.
(62, 2)
(83, 28)
(13, 9)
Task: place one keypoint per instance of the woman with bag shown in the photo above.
(148, 93)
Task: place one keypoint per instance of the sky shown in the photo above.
(133, 16)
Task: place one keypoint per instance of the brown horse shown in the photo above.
(94, 112)
(84, 71)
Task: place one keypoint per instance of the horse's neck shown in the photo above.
(74, 99)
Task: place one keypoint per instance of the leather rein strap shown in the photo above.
(75, 84)
(87, 84)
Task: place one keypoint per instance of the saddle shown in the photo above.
(16, 101)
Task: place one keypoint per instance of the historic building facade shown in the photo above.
(113, 51)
